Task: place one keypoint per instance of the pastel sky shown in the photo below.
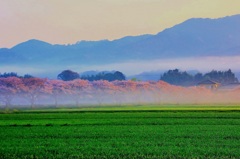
(69, 21)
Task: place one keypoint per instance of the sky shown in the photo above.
(69, 21)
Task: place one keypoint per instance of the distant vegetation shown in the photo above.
(68, 75)
(174, 77)
(16, 91)
(13, 74)
(177, 77)
(105, 76)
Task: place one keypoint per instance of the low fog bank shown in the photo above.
(56, 93)
(130, 98)
(202, 64)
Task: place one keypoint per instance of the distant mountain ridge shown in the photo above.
(195, 37)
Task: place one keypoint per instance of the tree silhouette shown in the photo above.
(68, 75)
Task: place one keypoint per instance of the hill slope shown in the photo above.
(193, 38)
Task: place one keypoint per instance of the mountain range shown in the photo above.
(196, 37)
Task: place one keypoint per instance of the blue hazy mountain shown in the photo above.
(193, 38)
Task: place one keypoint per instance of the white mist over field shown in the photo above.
(77, 93)
(129, 98)
(202, 64)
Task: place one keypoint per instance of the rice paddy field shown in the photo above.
(121, 132)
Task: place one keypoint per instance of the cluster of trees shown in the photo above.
(68, 75)
(29, 88)
(177, 77)
(37, 91)
(105, 76)
(14, 74)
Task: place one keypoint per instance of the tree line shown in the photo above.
(14, 74)
(32, 91)
(68, 75)
(101, 91)
(182, 78)
(174, 77)
(38, 91)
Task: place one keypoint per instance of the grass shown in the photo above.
(126, 132)
(127, 108)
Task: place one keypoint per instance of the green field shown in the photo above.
(122, 132)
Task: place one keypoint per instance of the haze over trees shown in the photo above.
(109, 76)
(34, 92)
(14, 74)
(68, 75)
(182, 78)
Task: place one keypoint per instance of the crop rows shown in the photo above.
(176, 134)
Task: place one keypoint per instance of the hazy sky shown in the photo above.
(68, 21)
(203, 64)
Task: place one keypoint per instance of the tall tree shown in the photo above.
(79, 89)
(68, 75)
(119, 76)
(58, 88)
(10, 87)
(177, 77)
(34, 88)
